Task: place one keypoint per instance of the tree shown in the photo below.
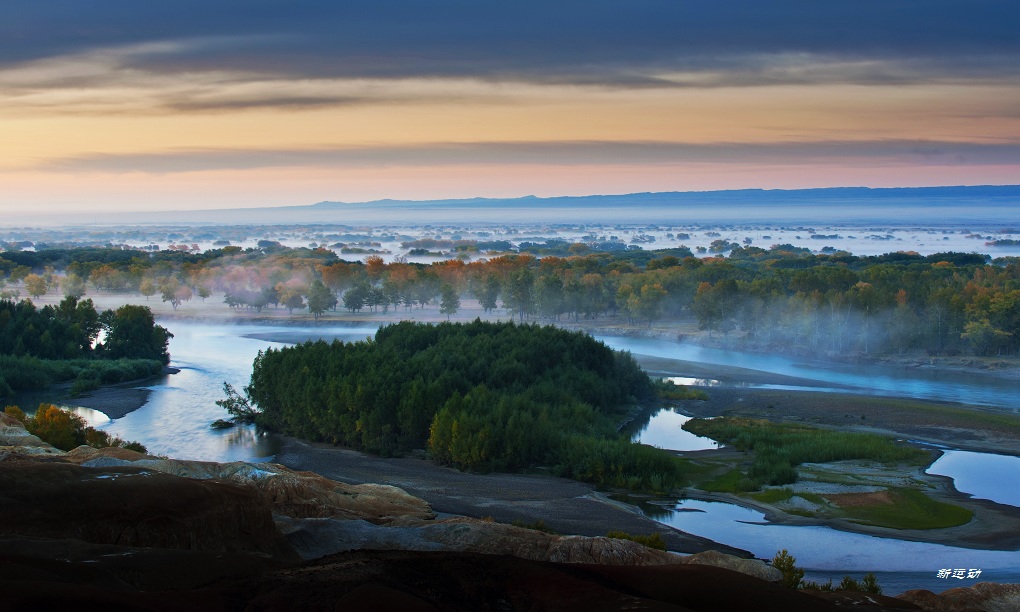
(786, 563)
(320, 298)
(549, 298)
(73, 286)
(239, 406)
(172, 291)
(131, 331)
(294, 301)
(449, 302)
(147, 288)
(204, 291)
(518, 293)
(984, 337)
(355, 297)
(651, 299)
(489, 293)
(35, 285)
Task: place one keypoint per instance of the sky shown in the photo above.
(122, 105)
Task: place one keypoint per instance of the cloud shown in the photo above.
(904, 152)
(644, 43)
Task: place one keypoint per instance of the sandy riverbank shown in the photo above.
(566, 506)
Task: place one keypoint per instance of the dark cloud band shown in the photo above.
(577, 41)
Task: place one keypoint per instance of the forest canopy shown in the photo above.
(480, 395)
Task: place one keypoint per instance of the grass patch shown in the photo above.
(727, 483)
(910, 509)
(671, 391)
(801, 512)
(772, 496)
(814, 498)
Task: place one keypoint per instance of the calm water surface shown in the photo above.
(862, 379)
(663, 430)
(983, 475)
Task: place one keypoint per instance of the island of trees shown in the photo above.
(73, 342)
(480, 396)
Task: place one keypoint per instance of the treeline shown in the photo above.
(783, 297)
(482, 396)
(41, 346)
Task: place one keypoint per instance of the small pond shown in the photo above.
(983, 475)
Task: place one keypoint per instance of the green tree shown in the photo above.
(320, 298)
(355, 297)
(36, 285)
(984, 337)
(449, 300)
(786, 563)
(489, 293)
(73, 286)
(518, 293)
(147, 287)
(293, 301)
(131, 331)
(174, 292)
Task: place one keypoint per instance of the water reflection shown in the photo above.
(94, 418)
(664, 430)
(983, 475)
(711, 382)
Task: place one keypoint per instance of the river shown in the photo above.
(175, 422)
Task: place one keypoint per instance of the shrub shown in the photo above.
(868, 584)
(16, 412)
(86, 381)
(60, 428)
(652, 540)
(787, 564)
(538, 525)
(66, 430)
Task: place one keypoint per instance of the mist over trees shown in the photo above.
(781, 298)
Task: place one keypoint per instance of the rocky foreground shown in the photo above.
(122, 530)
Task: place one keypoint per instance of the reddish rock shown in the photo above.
(982, 597)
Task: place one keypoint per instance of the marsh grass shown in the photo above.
(779, 447)
(23, 373)
(772, 496)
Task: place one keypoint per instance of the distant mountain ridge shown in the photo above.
(951, 206)
(747, 197)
